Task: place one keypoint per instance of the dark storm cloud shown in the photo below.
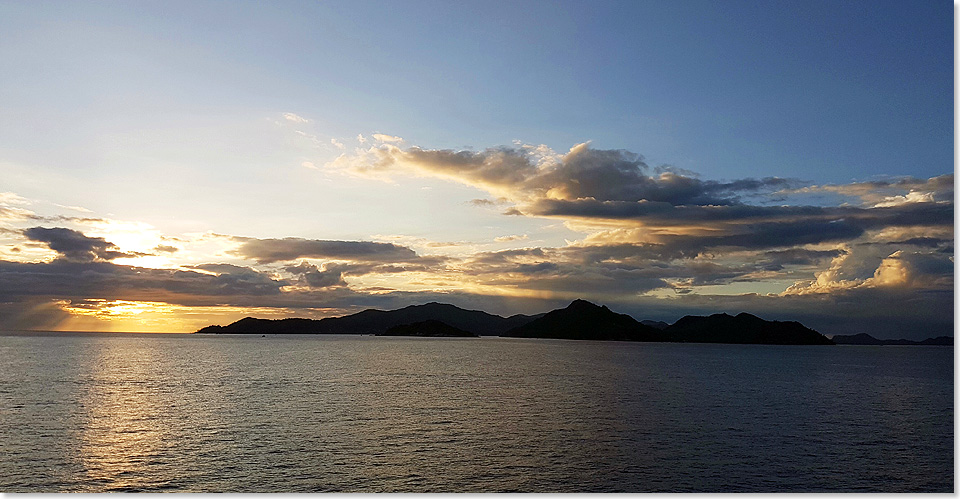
(665, 214)
(293, 248)
(775, 260)
(605, 269)
(926, 242)
(496, 166)
(603, 175)
(74, 245)
(536, 268)
(31, 314)
(73, 279)
(907, 215)
(314, 277)
(617, 187)
(510, 255)
(754, 227)
(217, 284)
(769, 235)
(26, 290)
(234, 279)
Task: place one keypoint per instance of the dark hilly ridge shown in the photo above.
(430, 329)
(582, 320)
(743, 328)
(866, 339)
(373, 321)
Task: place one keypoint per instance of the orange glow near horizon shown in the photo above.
(122, 316)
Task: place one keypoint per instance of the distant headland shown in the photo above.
(581, 320)
(866, 339)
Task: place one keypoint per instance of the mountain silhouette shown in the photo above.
(582, 320)
(743, 328)
(373, 321)
(431, 328)
(655, 324)
(855, 339)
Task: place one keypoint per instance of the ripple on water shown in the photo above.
(322, 414)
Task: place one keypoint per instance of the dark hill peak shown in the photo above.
(584, 305)
(743, 328)
(582, 320)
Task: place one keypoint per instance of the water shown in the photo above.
(95, 413)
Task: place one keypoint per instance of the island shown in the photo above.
(866, 339)
(743, 328)
(429, 328)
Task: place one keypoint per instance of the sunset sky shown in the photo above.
(169, 165)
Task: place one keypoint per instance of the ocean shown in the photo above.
(245, 413)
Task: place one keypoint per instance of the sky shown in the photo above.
(169, 165)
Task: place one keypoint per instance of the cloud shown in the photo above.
(530, 173)
(295, 118)
(504, 239)
(81, 209)
(881, 193)
(313, 277)
(234, 279)
(12, 198)
(486, 202)
(797, 256)
(11, 209)
(336, 143)
(70, 279)
(17, 214)
(32, 314)
(293, 248)
(74, 245)
(874, 266)
(615, 190)
(379, 137)
(670, 220)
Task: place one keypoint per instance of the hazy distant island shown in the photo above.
(581, 320)
(866, 339)
(430, 328)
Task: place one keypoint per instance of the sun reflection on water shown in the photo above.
(122, 437)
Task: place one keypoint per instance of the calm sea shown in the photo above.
(96, 412)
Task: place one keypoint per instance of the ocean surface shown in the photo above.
(192, 413)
